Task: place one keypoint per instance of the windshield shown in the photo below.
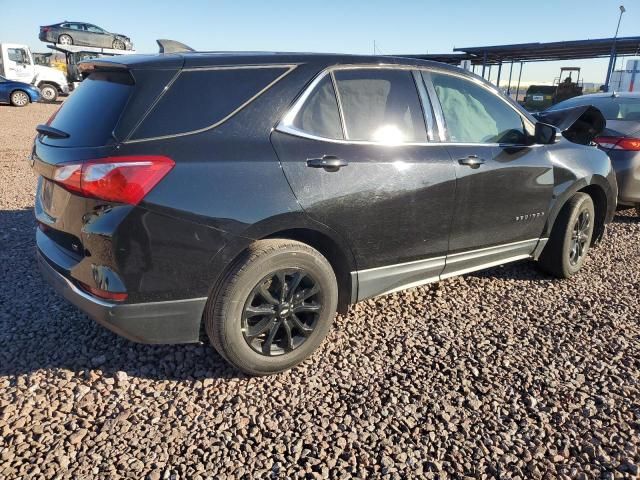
(613, 108)
(2, 79)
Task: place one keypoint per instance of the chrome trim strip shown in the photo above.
(345, 132)
(219, 122)
(442, 126)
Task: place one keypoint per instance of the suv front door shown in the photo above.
(504, 184)
(384, 187)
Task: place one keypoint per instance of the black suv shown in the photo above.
(256, 194)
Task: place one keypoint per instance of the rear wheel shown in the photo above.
(118, 44)
(570, 238)
(49, 92)
(19, 98)
(65, 40)
(274, 307)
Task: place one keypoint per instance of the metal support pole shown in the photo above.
(612, 58)
(519, 78)
(489, 73)
(499, 72)
(510, 72)
(484, 63)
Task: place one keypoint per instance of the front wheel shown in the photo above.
(570, 238)
(49, 92)
(19, 98)
(273, 308)
(118, 45)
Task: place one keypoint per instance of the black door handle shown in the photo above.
(329, 162)
(472, 161)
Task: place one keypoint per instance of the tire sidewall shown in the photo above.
(584, 203)
(229, 309)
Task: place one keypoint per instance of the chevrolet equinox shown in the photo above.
(251, 196)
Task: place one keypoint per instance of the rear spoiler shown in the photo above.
(91, 66)
(578, 124)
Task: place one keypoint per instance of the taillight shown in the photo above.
(118, 179)
(45, 29)
(104, 294)
(619, 143)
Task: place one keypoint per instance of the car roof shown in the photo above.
(219, 58)
(612, 95)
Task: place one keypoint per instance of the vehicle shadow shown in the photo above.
(40, 330)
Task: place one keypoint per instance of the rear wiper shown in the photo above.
(48, 131)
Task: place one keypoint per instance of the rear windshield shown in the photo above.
(199, 99)
(613, 108)
(92, 111)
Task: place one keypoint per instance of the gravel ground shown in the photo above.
(505, 374)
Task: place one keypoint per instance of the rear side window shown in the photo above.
(380, 105)
(90, 115)
(199, 99)
(319, 115)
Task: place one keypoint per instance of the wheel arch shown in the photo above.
(601, 203)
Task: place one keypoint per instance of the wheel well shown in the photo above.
(599, 198)
(20, 90)
(332, 252)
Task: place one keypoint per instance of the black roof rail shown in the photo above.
(173, 46)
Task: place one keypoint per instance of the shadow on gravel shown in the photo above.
(40, 330)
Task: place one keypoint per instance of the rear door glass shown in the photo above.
(199, 99)
(91, 113)
(380, 105)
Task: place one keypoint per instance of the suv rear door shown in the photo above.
(504, 184)
(392, 198)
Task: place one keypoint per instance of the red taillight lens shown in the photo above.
(118, 179)
(104, 294)
(619, 143)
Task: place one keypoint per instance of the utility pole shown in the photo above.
(612, 58)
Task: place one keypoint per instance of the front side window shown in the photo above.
(17, 55)
(94, 29)
(380, 105)
(319, 115)
(475, 115)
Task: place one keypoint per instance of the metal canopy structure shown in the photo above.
(541, 52)
(496, 55)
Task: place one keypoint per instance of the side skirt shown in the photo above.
(388, 279)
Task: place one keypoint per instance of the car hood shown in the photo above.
(578, 124)
(12, 83)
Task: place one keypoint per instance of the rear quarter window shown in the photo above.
(201, 98)
(91, 113)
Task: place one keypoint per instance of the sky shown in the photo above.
(397, 27)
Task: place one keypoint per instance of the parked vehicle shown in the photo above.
(565, 86)
(80, 33)
(16, 63)
(299, 184)
(620, 140)
(18, 94)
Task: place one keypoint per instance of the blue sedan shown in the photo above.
(18, 94)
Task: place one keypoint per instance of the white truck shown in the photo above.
(16, 63)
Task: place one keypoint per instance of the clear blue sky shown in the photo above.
(336, 26)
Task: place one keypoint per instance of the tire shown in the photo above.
(49, 92)
(119, 45)
(19, 98)
(232, 311)
(65, 40)
(570, 238)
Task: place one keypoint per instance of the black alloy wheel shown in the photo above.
(281, 312)
(580, 236)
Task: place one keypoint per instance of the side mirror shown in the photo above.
(545, 134)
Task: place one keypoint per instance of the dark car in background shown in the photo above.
(299, 184)
(620, 139)
(18, 94)
(87, 34)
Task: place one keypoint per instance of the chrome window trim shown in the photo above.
(285, 125)
(336, 92)
(289, 68)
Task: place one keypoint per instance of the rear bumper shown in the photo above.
(176, 321)
(627, 167)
